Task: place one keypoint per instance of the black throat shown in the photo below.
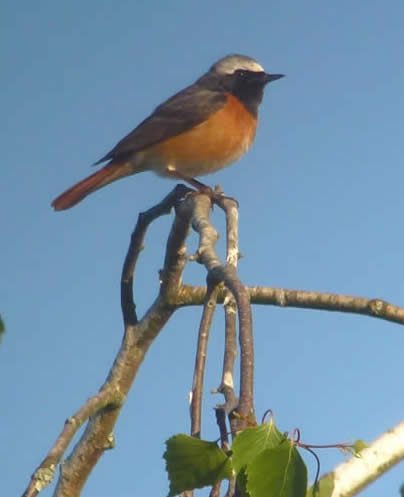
(247, 86)
(250, 96)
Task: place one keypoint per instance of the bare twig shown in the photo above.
(304, 299)
(45, 471)
(200, 360)
(231, 489)
(136, 246)
(215, 490)
(221, 423)
(230, 207)
(246, 399)
(227, 384)
(230, 352)
(227, 273)
(208, 236)
(230, 346)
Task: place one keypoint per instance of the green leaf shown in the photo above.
(324, 488)
(194, 463)
(358, 446)
(354, 449)
(2, 328)
(252, 441)
(277, 472)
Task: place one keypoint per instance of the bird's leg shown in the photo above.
(215, 194)
(201, 187)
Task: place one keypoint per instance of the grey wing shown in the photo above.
(178, 114)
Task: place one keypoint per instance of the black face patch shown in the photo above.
(248, 87)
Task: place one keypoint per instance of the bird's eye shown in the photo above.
(240, 73)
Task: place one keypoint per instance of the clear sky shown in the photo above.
(321, 207)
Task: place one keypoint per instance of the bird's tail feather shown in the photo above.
(106, 175)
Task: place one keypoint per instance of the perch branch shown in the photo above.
(226, 386)
(227, 273)
(103, 410)
(230, 208)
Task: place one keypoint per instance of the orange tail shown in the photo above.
(106, 175)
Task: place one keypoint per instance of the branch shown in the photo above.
(327, 301)
(208, 238)
(230, 308)
(230, 352)
(230, 208)
(246, 400)
(200, 360)
(352, 476)
(304, 299)
(136, 246)
(103, 410)
(45, 472)
(217, 272)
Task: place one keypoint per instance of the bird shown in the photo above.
(199, 130)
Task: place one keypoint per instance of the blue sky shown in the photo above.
(321, 207)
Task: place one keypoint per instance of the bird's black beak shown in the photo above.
(271, 77)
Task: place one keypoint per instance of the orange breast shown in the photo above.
(210, 146)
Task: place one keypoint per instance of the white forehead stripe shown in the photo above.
(232, 63)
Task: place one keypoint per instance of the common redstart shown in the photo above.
(198, 131)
